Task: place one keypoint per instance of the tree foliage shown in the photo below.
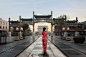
(12, 30)
(59, 21)
(37, 33)
(25, 26)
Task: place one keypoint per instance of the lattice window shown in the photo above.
(6, 27)
(3, 27)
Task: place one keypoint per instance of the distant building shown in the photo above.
(84, 25)
(4, 26)
(15, 25)
(72, 27)
(40, 28)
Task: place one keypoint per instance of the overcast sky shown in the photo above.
(25, 8)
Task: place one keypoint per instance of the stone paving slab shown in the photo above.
(70, 48)
(13, 44)
(17, 47)
(36, 50)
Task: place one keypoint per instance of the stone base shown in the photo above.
(76, 33)
(20, 34)
(65, 34)
(33, 36)
(9, 34)
(51, 33)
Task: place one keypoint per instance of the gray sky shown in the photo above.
(25, 8)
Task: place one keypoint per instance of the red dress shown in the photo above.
(44, 40)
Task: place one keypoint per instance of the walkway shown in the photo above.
(36, 50)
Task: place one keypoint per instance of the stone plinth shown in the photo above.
(9, 34)
(76, 33)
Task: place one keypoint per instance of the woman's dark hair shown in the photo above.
(44, 29)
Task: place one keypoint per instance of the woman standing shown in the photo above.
(44, 39)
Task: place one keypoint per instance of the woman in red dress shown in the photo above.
(44, 39)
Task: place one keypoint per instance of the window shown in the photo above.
(6, 27)
(3, 23)
(3, 27)
(0, 27)
(6, 23)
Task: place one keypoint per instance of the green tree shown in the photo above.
(12, 30)
(37, 33)
(59, 22)
(25, 26)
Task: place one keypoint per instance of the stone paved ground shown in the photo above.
(79, 46)
(70, 48)
(36, 50)
(15, 47)
(13, 43)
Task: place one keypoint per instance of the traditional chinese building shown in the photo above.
(71, 27)
(57, 31)
(30, 21)
(15, 25)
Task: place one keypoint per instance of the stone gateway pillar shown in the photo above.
(9, 33)
(76, 33)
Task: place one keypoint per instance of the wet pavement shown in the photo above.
(56, 46)
(15, 47)
(70, 48)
